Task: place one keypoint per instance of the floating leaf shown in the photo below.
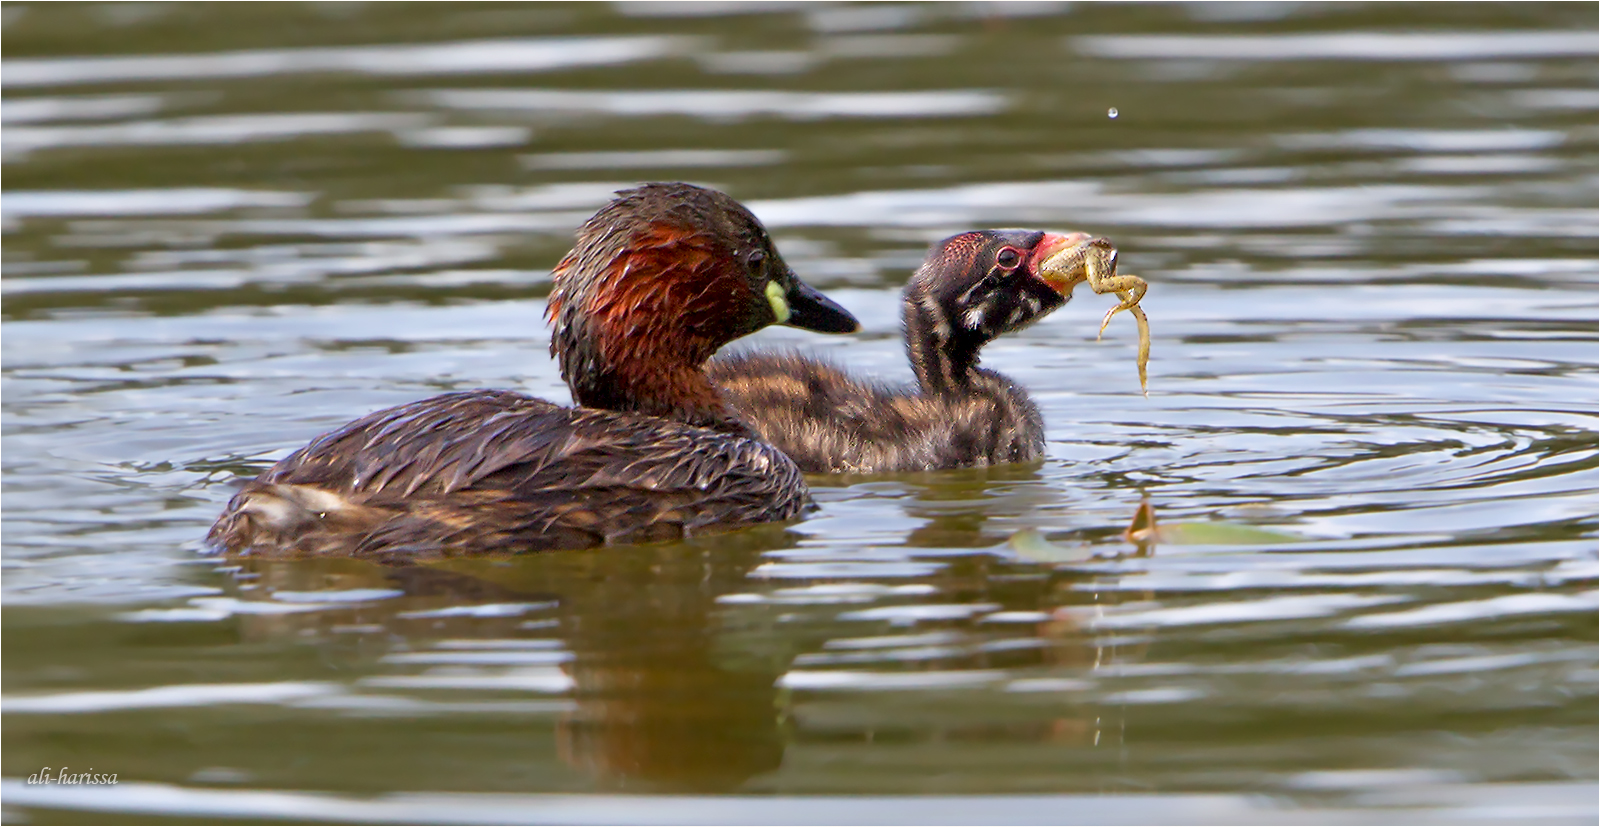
(1031, 544)
(1216, 533)
(1145, 531)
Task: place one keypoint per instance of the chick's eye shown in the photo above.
(755, 257)
(1008, 257)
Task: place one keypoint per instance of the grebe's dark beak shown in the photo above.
(810, 310)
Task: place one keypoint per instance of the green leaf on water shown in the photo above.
(1031, 544)
(1216, 533)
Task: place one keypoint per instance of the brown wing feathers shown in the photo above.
(498, 471)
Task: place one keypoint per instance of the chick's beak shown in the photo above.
(1058, 259)
(810, 310)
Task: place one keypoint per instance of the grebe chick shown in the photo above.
(658, 280)
(972, 288)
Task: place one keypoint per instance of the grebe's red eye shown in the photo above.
(1008, 257)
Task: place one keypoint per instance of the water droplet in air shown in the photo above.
(1112, 113)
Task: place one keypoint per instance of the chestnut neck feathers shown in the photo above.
(658, 280)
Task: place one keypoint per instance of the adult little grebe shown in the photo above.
(972, 287)
(658, 280)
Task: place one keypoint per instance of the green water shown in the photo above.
(1370, 235)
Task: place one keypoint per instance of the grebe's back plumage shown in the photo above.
(656, 456)
(491, 470)
(972, 288)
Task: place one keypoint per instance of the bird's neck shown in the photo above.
(993, 416)
(649, 373)
(634, 332)
(678, 392)
(943, 356)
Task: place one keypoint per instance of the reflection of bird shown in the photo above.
(671, 692)
(665, 719)
(659, 279)
(972, 288)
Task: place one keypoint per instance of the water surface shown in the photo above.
(1370, 234)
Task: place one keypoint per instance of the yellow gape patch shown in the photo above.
(780, 304)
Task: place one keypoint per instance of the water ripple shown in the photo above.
(462, 57)
(722, 104)
(1375, 45)
(1494, 607)
(1370, 443)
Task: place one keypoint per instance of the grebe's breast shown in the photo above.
(485, 471)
